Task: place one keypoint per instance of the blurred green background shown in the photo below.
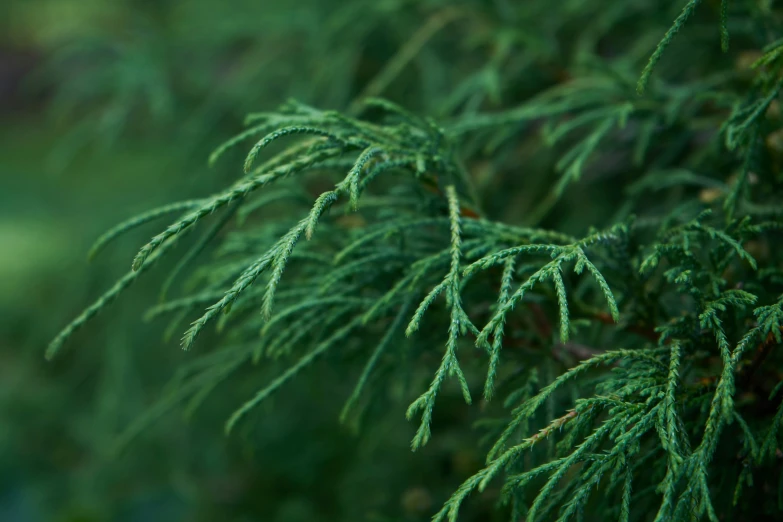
(109, 108)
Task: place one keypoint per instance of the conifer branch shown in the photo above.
(409, 218)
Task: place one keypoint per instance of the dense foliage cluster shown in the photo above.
(575, 219)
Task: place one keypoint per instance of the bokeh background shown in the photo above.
(109, 108)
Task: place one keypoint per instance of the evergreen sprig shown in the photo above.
(662, 366)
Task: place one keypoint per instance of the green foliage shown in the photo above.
(663, 381)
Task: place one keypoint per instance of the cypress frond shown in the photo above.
(607, 263)
(139, 220)
(245, 280)
(497, 336)
(102, 302)
(686, 13)
(238, 192)
(458, 323)
(198, 247)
